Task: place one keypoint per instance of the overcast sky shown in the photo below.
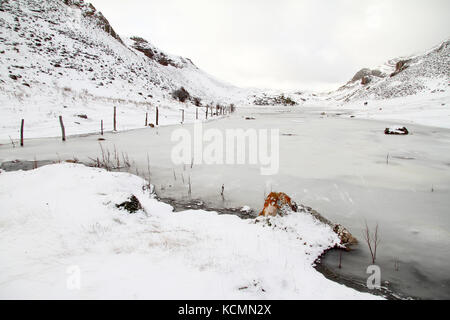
(283, 44)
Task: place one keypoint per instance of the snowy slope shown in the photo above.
(62, 57)
(71, 226)
(423, 74)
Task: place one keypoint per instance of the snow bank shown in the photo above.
(423, 109)
(60, 221)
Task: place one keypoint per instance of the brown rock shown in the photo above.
(343, 234)
(400, 66)
(278, 203)
(365, 80)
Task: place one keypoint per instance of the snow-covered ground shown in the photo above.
(41, 121)
(60, 221)
(432, 109)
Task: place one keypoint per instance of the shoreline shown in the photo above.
(359, 286)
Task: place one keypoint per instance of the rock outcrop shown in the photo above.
(153, 53)
(343, 234)
(132, 205)
(280, 204)
(397, 131)
(366, 72)
(366, 80)
(267, 100)
(400, 66)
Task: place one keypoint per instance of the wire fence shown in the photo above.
(201, 113)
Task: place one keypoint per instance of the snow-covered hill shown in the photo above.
(62, 57)
(412, 89)
(423, 74)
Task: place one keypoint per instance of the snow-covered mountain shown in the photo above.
(400, 77)
(64, 57)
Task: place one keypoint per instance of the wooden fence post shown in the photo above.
(101, 127)
(182, 115)
(157, 115)
(196, 113)
(115, 122)
(146, 118)
(63, 131)
(206, 112)
(21, 132)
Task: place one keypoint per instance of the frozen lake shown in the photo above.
(345, 168)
